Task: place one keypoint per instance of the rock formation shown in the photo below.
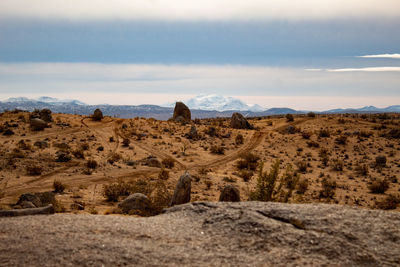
(240, 122)
(181, 113)
(182, 190)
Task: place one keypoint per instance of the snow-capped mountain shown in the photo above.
(219, 103)
(45, 99)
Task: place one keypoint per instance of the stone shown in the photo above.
(97, 115)
(230, 194)
(38, 124)
(29, 197)
(193, 133)
(240, 122)
(181, 113)
(290, 129)
(45, 115)
(182, 190)
(153, 162)
(136, 201)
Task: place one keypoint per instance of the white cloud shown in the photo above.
(382, 56)
(370, 69)
(193, 10)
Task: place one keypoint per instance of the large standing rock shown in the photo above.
(240, 122)
(230, 194)
(135, 201)
(45, 114)
(182, 190)
(38, 124)
(181, 113)
(97, 115)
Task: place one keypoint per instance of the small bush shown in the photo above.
(91, 164)
(219, 150)
(324, 133)
(248, 161)
(302, 186)
(168, 163)
(341, 140)
(312, 144)
(324, 155)
(239, 139)
(246, 175)
(311, 114)
(389, 203)
(337, 165)
(163, 174)
(114, 157)
(85, 146)
(379, 186)
(58, 186)
(126, 142)
(34, 170)
(328, 188)
(361, 169)
(302, 166)
(306, 135)
(289, 117)
(78, 153)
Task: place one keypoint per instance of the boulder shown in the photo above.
(153, 162)
(240, 122)
(38, 124)
(97, 115)
(182, 190)
(32, 198)
(181, 113)
(193, 133)
(230, 194)
(135, 201)
(45, 115)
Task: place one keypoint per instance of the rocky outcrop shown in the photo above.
(230, 194)
(182, 190)
(135, 202)
(181, 113)
(45, 114)
(97, 115)
(205, 233)
(240, 122)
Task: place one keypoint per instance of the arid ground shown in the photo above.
(348, 159)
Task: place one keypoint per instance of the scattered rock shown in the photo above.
(29, 197)
(8, 132)
(230, 194)
(135, 201)
(153, 162)
(240, 122)
(182, 190)
(290, 129)
(38, 124)
(97, 115)
(181, 113)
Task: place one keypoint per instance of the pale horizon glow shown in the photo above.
(195, 10)
(367, 69)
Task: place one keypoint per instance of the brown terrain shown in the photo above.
(348, 159)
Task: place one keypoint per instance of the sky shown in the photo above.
(304, 54)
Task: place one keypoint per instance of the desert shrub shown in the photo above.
(302, 166)
(111, 139)
(114, 157)
(379, 186)
(168, 163)
(91, 164)
(324, 133)
(246, 175)
(34, 170)
(270, 187)
(306, 135)
(208, 183)
(163, 174)
(289, 117)
(16, 153)
(219, 150)
(311, 114)
(58, 186)
(248, 161)
(324, 155)
(159, 197)
(78, 153)
(380, 161)
(312, 143)
(341, 140)
(126, 142)
(302, 186)
(390, 202)
(203, 171)
(361, 169)
(239, 139)
(113, 191)
(328, 188)
(364, 134)
(85, 146)
(24, 146)
(337, 165)
(212, 131)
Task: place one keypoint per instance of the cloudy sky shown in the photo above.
(305, 54)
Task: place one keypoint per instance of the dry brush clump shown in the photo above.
(168, 163)
(217, 149)
(58, 186)
(248, 161)
(379, 186)
(328, 188)
(390, 202)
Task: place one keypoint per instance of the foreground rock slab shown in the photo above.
(204, 234)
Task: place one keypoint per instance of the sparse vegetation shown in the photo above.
(328, 188)
(34, 170)
(218, 150)
(239, 139)
(248, 161)
(168, 163)
(58, 186)
(379, 186)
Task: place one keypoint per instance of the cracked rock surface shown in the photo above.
(204, 234)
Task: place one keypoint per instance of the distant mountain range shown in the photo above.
(200, 107)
